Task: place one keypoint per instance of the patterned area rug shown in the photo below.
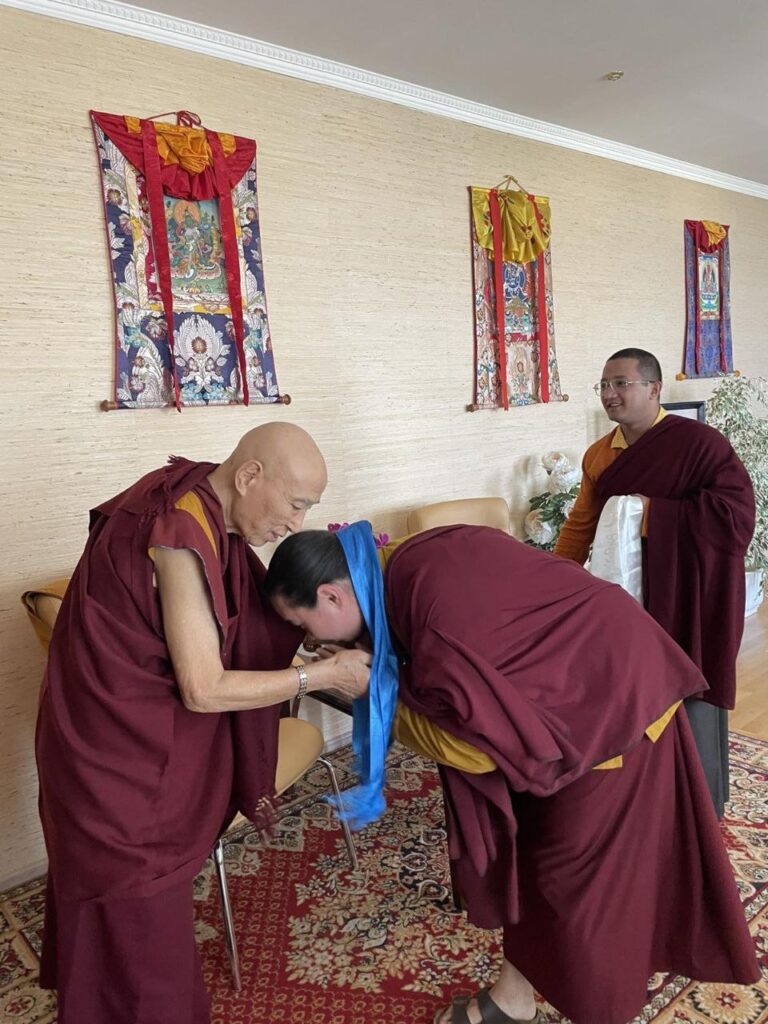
(320, 944)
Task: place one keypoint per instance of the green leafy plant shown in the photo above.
(738, 408)
(550, 509)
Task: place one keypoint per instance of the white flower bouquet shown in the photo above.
(550, 509)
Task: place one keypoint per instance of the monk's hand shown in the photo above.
(322, 649)
(645, 500)
(353, 669)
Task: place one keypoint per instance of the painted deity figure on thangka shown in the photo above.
(182, 221)
(709, 288)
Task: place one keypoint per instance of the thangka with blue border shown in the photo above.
(708, 341)
(182, 223)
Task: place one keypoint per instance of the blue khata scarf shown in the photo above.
(373, 714)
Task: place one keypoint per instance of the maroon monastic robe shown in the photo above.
(599, 877)
(134, 787)
(702, 515)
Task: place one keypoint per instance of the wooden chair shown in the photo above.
(300, 747)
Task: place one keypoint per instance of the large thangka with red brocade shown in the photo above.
(515, 359)
(183, 235)
(708, 342)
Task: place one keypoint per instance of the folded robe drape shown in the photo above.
(550, 672)
(701, 519)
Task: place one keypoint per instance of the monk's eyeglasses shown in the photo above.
(617, 385)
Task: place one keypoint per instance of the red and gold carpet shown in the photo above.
(322, 945)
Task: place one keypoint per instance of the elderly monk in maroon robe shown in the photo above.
(699, 519)
(159, 719)
(577, 812)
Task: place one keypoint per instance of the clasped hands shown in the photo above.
(353, 665)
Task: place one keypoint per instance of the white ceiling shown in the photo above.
(696, 71)
(694, 89)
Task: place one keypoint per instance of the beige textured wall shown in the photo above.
(364, 222)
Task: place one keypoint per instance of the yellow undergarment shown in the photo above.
(190, 503)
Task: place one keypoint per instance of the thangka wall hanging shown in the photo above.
(515, 360)
(183, 235)
(708, 343)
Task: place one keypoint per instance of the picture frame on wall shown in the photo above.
(689, 410)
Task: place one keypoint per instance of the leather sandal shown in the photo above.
(490, 1012)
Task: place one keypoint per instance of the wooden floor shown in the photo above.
(751, 712)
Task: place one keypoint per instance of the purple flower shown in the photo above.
(379, 539)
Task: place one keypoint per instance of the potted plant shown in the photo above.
(738, 408)
(550, 509)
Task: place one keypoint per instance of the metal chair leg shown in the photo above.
(226, 910)
(345, 827)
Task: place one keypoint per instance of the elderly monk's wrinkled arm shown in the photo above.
(193, 642)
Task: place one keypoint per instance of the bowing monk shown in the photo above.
(577, 812)
(698, 522)
(159, 719)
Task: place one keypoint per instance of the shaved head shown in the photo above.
(274, 475)
(282, 448)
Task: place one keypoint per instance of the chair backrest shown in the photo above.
(466, 511)
(43, 606)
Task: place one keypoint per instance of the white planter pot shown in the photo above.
(754, 591)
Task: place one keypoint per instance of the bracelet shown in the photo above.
(303, 682)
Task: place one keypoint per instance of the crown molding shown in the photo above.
(188, 35)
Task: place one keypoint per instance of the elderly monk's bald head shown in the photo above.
(274, 475)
